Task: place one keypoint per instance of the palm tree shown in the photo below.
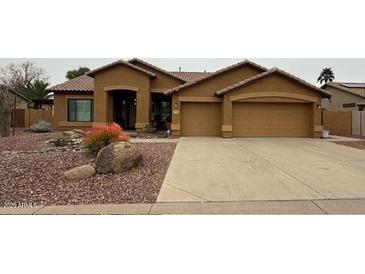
(326, 75)
(37, 90)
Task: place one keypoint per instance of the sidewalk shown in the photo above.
(303, 207)
(154, 140)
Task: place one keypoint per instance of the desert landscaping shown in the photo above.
(34, 170)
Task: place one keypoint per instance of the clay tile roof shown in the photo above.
(353, 88)
(245, 62)
(271, 71)
(136, 60)
(120, 62)
(190, 76)
(82, 83)
(85, 83)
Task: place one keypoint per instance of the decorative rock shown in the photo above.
(71, 135)
(117, 157)
(81, 172)
(68, 133)
(79, 131)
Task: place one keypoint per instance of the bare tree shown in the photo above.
(20, 76)
(6, 101)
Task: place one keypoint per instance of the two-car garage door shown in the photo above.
(248, 119)
(271, 120)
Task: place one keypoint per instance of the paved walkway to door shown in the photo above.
(216, 169)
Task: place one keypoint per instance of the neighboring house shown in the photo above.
(242, 100)
(21, 104)
(345, 96)
(42, 104)
(21, 101)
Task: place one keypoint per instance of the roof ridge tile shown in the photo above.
(155, 67)
(120, 62)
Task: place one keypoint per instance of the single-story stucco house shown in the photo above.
(242, 100)
(345, 96)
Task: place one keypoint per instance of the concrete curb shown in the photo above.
(300, 207)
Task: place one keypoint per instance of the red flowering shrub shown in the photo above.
(102, 136)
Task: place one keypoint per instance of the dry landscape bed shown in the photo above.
(38, 177)
(25, 140)
(354, 144)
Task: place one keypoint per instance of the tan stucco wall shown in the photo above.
(277, 83)
(205, 91)
(162, 82)
(60, 111)
(210, 86)
(274, 88)
(280, 88)
(339, 98)
(119, 78)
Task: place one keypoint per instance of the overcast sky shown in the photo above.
(346, 70)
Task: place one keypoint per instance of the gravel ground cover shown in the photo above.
(354, 144)
(355, 136)
(358, 137)
(25, 140)
(38, 178)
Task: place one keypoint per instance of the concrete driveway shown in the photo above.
(216, 169)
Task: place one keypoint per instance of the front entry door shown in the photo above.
(125, 107)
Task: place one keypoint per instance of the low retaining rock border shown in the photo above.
(45, 150)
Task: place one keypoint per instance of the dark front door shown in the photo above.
(161, 111)
(125, 110)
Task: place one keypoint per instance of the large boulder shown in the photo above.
(117, 157)
(80, 172)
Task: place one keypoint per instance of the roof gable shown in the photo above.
(354, 91)
(270, 72)
(120, 63)
(16, 93)
(135, 61)
(217, 73)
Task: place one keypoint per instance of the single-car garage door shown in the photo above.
(200, 119)
(271, 120)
